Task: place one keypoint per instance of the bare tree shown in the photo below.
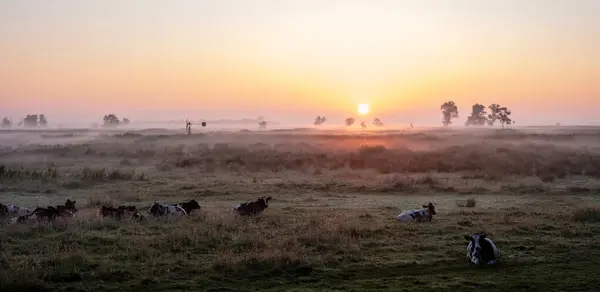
(477, 117)
(377, 122)
(319, 120)
(449, 112)
(363, 124)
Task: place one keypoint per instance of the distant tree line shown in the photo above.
(30, 121)
(376, 121)
(111, 121)
(479, 116)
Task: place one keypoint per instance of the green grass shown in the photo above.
(305, 248)
(330, 226)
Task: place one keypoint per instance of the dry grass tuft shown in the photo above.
(102, 174)
(588, 215)
(469, 203)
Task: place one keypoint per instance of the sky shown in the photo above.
(291, 60)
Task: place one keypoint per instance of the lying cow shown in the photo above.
(417, 215)
(158, 210)
(3, 210)
(51, 212)
(11, 210)
(131, 211)
(67, 209)
(481, 250)
(120, 212)
(253, 208)
(189, 206)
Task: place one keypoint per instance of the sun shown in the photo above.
(363, 108)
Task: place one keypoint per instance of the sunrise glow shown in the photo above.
(296, 59)
(363, 108)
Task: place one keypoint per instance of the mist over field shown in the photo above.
(314, 145)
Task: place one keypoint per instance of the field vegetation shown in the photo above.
(331, 223)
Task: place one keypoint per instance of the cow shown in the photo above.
(3, 210)
(67, 209)
(131, 210)
(107, 211)
(417, 215)
(50, 213)
(253, 208)
(189, 206)
(120, 212)
(7, 210)
(158, 210)
(481, 250)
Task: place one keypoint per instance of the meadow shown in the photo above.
(331, 224)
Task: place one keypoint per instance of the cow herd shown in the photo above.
(480, 248)
(50, 213)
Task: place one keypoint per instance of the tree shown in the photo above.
(504, 116)
(262, 124)
(377, 122)
(43, 122)
(126, 121)
(493, 115)
(478, 116)
(350, 121)
(111, 120)
(499, 113)
(6, 122)
(449, 112)
(363, 124)
(319, 120)
(30, 121)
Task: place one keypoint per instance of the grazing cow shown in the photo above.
(253, 208)
(481, 250)
(189, 206)
(158, 210)
(418, 215)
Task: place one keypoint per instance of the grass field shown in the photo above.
(331, 224)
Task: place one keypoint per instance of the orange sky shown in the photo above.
(293, 58)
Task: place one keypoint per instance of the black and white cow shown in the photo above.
(253, 208)
(11, 210)
(158, 210)
(417, 215)
(481, 250)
